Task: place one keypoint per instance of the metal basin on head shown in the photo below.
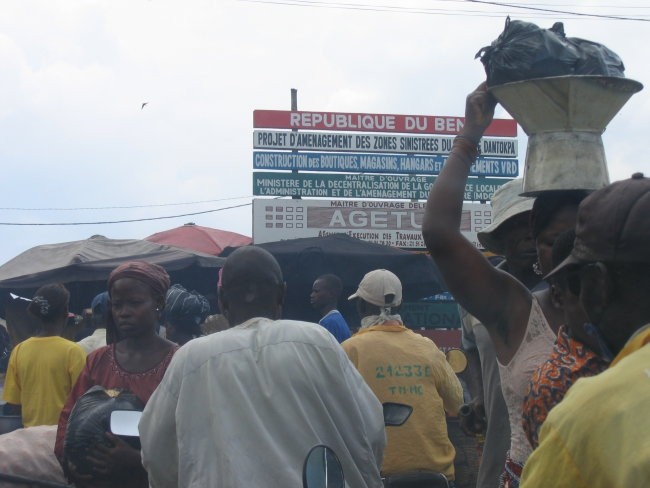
(564, 118)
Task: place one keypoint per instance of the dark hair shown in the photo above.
(251, 281)
(50, 302)
(562, 246)
(332, 283)
(548, 204)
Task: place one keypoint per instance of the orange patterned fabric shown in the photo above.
(511, 474)
(569, 361)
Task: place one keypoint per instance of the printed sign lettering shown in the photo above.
(383, 143)
(376, 163)
(336, 121)
(391, 223)
(407, 187)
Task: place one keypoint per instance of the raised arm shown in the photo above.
(497, 299)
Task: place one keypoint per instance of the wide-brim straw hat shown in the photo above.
(506, 203)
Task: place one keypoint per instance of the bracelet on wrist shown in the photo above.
(468, 148)
(469, 140)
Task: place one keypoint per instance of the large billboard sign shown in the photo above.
(376, 163)
(381, 143)
(362, 122)
(391, 223)
(331, 185)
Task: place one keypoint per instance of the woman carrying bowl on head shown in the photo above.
(522, 325)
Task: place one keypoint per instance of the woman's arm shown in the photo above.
(12, 392)
(83, 384)
(118, 462)
(495, 298)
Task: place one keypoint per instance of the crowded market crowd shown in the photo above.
(556, 336)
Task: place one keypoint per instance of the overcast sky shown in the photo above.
(76, 73)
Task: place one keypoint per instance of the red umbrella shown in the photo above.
(198, 238)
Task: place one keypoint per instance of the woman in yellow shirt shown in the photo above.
(43, 369)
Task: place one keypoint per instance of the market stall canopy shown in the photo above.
(84, 266)
(303, 260)
(199, 238)
(93, 259)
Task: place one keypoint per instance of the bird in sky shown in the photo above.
(143, 105)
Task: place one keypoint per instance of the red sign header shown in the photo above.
(337, 121)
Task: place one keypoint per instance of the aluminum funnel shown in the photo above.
(564, 118)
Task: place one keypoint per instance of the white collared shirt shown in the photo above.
(244, 407)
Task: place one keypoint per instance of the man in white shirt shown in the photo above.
(100, 310)
(242, 408)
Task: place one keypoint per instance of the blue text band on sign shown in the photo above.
(377, 163)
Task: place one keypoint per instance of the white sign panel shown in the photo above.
(391, 223)
(500, 147)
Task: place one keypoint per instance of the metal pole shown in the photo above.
(294, 107)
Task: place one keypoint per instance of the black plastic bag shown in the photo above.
(525, 51)
(89, 421)
(597, 59)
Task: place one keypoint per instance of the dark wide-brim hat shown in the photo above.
(613, 225)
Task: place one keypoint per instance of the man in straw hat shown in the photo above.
(598, 435)
(404, 367)
(508, 235)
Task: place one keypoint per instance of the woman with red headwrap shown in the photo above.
(135, 361)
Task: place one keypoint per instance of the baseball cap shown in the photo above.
(376, 284)
(506, 203)
(613, 225)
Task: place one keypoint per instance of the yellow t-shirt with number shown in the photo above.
(404, 367)
(40, 375)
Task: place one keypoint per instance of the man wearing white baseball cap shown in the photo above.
(404, 367)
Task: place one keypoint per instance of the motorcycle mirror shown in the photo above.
(395, 414)
(125, 422)
(322, 469)
(457, 359)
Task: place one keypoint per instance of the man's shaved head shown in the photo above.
(251, 285)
